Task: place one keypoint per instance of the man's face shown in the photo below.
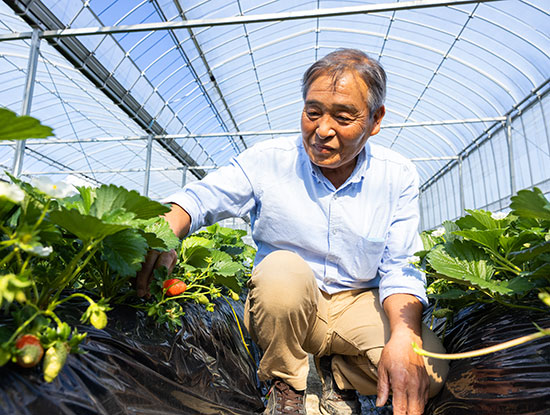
(336, 122)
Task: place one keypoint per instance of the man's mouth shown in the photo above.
(320, 148)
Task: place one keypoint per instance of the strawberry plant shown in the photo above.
(486, 257)
(54, 249)
(213, 263)
(57, 244)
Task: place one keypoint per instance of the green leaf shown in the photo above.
(451, 294)
(543, 271)
(226, 271)
(428, 241)
(112, 198)
(223, 264)
(478, 219)
(230, 282)
(124, 251)
(197, 256)
(519, 257)
(194, 240)
(85, 227)
(7, 208)
(12, 287)
(519, 285)
(487, 238)
(14, 127)
(465, 264)
(515, 242)
(531, 204)
(159, 235)
(88, 195)
(450, 227)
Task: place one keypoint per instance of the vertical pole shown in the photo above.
(510, 155)
(461, 185)
(420, 197)
(544, 123)
(148, 166)
(27, 98)
(184, 176)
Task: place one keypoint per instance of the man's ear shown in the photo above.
(377, 120)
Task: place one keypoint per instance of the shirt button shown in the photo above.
(334, 231)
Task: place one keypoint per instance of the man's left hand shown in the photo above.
(400, 369)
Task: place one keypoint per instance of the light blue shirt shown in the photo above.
(361, 235)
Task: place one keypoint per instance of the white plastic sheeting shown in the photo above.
(449, 67)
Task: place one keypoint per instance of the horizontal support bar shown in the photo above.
(161, 169)
(244, 133)
(237, 20)
(434, 158)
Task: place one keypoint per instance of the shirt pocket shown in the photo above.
(367, 258)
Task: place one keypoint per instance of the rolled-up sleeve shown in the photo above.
(397, 274)
(226, 192)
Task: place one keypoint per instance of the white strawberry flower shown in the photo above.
(56, 190)
(413, 259)
(439, 232)
(41, 250)
(12, 192)
(498, 215)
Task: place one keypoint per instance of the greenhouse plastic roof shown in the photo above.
(220, 76)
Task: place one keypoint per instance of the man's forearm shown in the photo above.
(179, 221)
(404, 312)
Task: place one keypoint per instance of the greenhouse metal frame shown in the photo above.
(152, 94)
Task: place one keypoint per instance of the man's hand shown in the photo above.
(180, 222)
(400, 369)
(153, 260)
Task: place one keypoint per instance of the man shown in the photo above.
(335, 222)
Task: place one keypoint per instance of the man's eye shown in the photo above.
(343, 118)
(312, 114)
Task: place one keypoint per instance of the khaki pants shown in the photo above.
(288, 317)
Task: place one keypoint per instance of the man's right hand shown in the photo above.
(180, 222)
(153, 260)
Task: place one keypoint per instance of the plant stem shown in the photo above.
(506, 264)
(70, 274)
(484, 351)
(49, 312)
(22, 326)
(72, 296)
(8, 257)
(511, 305)
(42, 216)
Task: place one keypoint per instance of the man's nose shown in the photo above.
(324, 127)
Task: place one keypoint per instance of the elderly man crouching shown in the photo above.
(335, 221)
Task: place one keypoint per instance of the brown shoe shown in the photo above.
(284, 399)
(335, 401)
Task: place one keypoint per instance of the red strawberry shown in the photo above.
(174, 287)
(30, 350)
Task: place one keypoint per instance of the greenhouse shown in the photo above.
(145, 97)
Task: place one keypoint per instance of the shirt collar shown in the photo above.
(357, 174)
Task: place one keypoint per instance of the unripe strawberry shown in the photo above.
(98, 319)
(30, 350)
(55, 360)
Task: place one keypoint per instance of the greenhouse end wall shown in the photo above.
(487, 180)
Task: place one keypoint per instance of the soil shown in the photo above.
(313, 394)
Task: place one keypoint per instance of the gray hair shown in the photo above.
(336, 63)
